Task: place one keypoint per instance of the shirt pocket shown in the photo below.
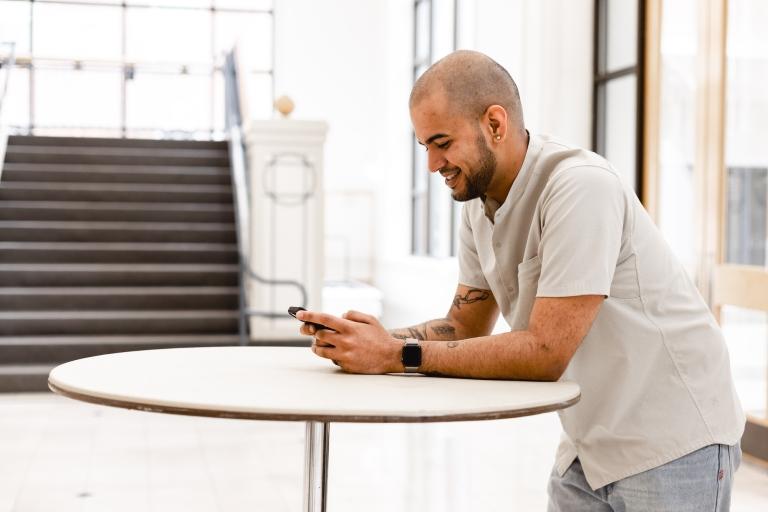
(528, 273)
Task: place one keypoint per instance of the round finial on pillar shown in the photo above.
(284, 105)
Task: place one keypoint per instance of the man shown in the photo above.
(553, 239)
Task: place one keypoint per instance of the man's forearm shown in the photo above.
(472, 313)
(511, 355)
(440, 329)
(556, 328)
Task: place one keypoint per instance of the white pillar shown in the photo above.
(285, 174)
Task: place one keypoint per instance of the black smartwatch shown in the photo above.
(411, 357)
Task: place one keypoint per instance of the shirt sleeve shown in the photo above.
(582, 219)
(470, 270)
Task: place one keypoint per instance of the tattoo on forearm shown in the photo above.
(417, 331)
(444, 330)
(440, 329)
(473, 295)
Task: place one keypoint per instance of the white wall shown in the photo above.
(348, 62)
(547, 47)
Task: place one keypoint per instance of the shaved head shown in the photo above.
(471, 82)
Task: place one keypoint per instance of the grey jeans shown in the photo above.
(698, 482)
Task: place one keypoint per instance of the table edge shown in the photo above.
(211, 413)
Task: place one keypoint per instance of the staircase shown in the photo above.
(108, 245)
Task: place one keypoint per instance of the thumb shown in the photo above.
(357, 316)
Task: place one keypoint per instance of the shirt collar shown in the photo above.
(493, 208)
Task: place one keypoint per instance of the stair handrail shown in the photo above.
(6, 66)
(239, 166)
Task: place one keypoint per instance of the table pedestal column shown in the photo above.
(316, 466)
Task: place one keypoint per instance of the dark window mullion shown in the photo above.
(640, 91)
(598, 124)
(427, 193)
(420, 217)
(601, 36)
(453, 228)
(629, 70)
(414, 198)
(598, 62)
(602, 79)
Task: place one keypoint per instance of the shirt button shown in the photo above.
(497, 245)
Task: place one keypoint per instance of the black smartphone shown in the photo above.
(295, 309)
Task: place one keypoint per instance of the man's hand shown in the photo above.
(358, 342)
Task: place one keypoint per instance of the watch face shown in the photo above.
(411, 355)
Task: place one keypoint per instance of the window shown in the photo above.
(743, 174)
(746, 223)
(617, 94)
(675, 196)
(712, 175)
(133, 67)
(434, 212)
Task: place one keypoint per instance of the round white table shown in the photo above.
(292, 384)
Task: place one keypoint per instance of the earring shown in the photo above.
(497, 138)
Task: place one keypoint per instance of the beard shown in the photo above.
(478, 180)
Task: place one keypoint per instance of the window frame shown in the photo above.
(603, 77)
(210, 66)
(422, 224)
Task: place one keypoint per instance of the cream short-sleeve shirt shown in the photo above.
(654, 369)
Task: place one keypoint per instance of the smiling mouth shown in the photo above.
(451, 177)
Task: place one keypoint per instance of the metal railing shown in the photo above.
(7, 60)
(238, 166)
(127, 72)
(125, 63)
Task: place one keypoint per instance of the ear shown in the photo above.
(495, 123)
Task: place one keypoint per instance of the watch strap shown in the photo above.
(411, 355)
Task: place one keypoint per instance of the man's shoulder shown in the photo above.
(564, 164)
(558, 155)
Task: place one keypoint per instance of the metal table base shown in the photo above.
(316, 466)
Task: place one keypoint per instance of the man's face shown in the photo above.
(456, 148)
(478, 179)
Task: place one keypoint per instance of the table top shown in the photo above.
(292, 384)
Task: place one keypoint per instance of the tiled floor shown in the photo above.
(57, 455)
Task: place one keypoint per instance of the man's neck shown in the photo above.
(506, 174)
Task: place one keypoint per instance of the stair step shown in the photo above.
(116, 174)
(79, 274)
(66, 231)
(83, 298)
(109, 245)
(116, 211)
(62, 191)
(117, 155)
(35, 140)
(116, 252)
(24, 377)
(15, 323)
(18, 350)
